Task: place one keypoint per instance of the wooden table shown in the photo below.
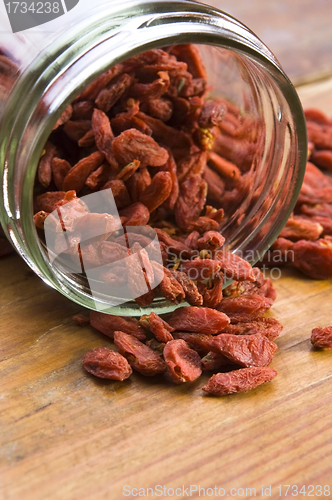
(67, 436)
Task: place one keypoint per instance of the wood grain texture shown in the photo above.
(317, 95)
(66, 435)
(298, 32)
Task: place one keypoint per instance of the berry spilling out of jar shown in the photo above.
(135, 184)
(138, 178)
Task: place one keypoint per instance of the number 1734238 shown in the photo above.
(293, 490)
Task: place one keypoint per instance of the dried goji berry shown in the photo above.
(242, 380)
(245, 350)
(213, 362)
(191, 56)
(120, 193)
(326, 224)
(192, 239)
(104, 363)
(137, 183)
(127, 120)
(319, 209)
(213, 291)
(193, 163)
(92, 90)
(60, 169)
(39, 219)
(298, 228)
(228, 171)
(82, 110)
(317, 116)
(46, 202)
(177, 140)
(281, 252)
(81, 319)
(212, 113)
(211, 240)
(183, 364)
(171, 167)
(204, 224)
(65, 116)
(245, 308)
(139, 283)
(103, 134)
(191, 200)
(160, 108)
(154, 90)
(110, 94)
(75, 130)
(108, 324)
(233, 266)
(137, 214)
(87, 140)
(159, 327)
(140, 356)
(314, 258)
(78, 174)
(173, 246)
(192, 295)
(270, 327)
(132, 145)
(322, 337)
(198, 319)
(158, 191)
(169, 286)
(44, 166)
(216, 186)
(323, 159)
(200, 342)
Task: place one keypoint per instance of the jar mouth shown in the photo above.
(55, 79)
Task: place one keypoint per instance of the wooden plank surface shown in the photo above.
(297, 31)
(65, 435)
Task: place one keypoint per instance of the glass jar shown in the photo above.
(53, 63)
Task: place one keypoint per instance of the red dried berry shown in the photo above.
(314, 258)
(269, 327)
(104, 363)
(242, 380)
(200, 342)
(183, 364)
(198, 319)
(109, 323)
(133, 145)
(245, 350)
(159, 327)
(81, 319)
(245, 308)
(140, 356)
(322, 337)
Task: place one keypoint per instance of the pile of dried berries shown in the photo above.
(177, 162)
(306, 240)
(238, 345)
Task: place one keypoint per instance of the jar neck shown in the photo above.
(110, 35)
